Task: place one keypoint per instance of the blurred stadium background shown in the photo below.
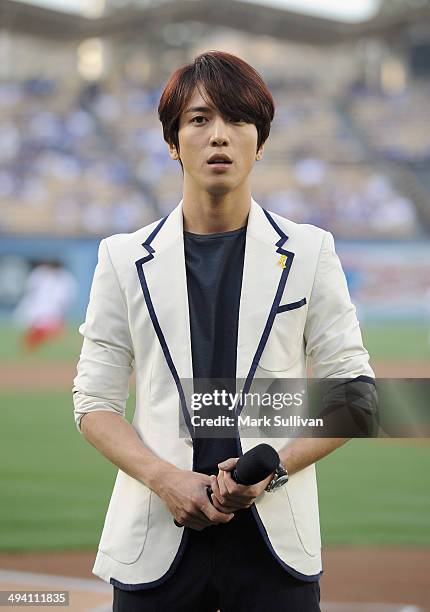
(82, 157)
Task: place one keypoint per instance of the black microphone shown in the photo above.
(252, 467)
(256, 465)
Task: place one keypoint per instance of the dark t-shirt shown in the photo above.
(214, 265)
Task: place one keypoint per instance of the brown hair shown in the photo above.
(235, 88)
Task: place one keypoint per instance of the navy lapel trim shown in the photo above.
(289, 256)
(283, 237)
(147, 243)
(288, 568)
(292, 306)
(156, 324)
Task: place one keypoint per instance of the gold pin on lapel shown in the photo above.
(282, 261)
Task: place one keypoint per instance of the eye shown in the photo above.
(238, 120)
(198, 117)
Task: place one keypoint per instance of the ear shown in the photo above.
(259, 154)
(173, 152)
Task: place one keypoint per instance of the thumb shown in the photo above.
(229, 464)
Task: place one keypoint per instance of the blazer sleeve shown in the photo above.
(107, 359)
(332, 333)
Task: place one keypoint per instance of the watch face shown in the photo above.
(282, 480)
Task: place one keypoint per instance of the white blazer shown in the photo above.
(138, 318)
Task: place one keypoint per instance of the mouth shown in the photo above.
(220, 166)
(219, 162)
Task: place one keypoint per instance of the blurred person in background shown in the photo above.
(49, 292)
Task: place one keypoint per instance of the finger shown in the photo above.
(214, 515)
(216, 490)
(206, 480)
(191, 521)
(238, 495)
(198, 515)
(195, 514)
(233, 493)
(230, 484)
(221, 485)
(229, 464)
(231, 505)
(226, 509)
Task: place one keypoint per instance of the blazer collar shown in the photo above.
(169, 230)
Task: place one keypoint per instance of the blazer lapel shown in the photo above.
(266, 267)
(162, 276)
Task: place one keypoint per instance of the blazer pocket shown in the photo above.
(126, 524)
(303, 503)
(291, 306)
(285, 344)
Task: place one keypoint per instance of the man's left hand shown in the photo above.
(228, 496)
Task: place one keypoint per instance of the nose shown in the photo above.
(219, 132)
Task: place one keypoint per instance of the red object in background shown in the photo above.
(38, 334)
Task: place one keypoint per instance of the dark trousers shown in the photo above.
(227, 568)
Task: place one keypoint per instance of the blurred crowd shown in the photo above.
(395, 125)
(90, 159)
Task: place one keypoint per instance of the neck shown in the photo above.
(206, 213)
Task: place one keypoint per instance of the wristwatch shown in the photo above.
(280, 478)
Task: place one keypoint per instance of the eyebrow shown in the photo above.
(199, 109)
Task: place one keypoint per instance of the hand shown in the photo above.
(228, 496)
(185, 494)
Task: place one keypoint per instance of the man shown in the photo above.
(218, 289)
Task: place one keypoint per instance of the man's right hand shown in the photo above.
(185, 494)
(183, 491)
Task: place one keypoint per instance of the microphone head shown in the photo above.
(256, 464)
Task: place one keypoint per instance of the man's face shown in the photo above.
(203, 133)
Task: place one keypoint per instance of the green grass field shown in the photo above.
(64, 348)
(376, 492)
(55, 487)
(397, 341)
